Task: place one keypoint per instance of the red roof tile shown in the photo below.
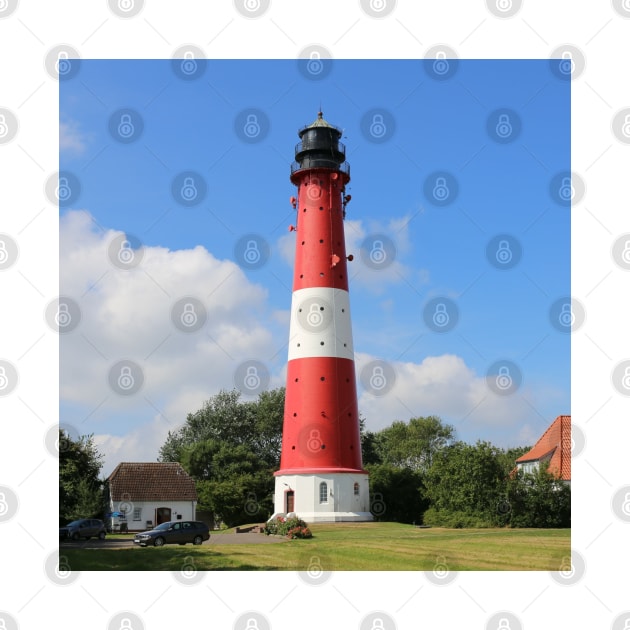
(554, 445)
(141, 481)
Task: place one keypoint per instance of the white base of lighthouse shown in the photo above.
(323, 497)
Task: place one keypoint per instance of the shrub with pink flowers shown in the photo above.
(293, 527)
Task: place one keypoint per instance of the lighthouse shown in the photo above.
(321, 476)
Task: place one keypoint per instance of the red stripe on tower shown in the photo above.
(321, 475)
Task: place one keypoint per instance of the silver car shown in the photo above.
(83, 528)
(180, 532)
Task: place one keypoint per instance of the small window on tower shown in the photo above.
(323, 492)
(356, 489)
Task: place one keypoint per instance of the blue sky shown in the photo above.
(439, 128)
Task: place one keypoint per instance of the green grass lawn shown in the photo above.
(351, 547)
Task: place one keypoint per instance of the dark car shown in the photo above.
(180, 532)
(83, 528)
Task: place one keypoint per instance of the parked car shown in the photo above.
(83, 528)
(180, 532)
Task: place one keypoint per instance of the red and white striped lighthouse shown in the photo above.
(321, 476)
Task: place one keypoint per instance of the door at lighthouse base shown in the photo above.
(290, 501)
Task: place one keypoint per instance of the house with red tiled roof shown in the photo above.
(554, 447)
(140, 495)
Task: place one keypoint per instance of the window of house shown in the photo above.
(356, 489)
(323, 492)
(137, 514)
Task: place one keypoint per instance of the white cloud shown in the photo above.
(71, 140)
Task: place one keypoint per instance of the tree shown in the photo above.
(80, 489)
(538, 499)
(414, 444)
(467, 480)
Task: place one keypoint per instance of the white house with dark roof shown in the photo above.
(140, 495)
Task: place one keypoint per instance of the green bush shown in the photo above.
(455, 519)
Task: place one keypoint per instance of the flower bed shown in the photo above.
(293, 527)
